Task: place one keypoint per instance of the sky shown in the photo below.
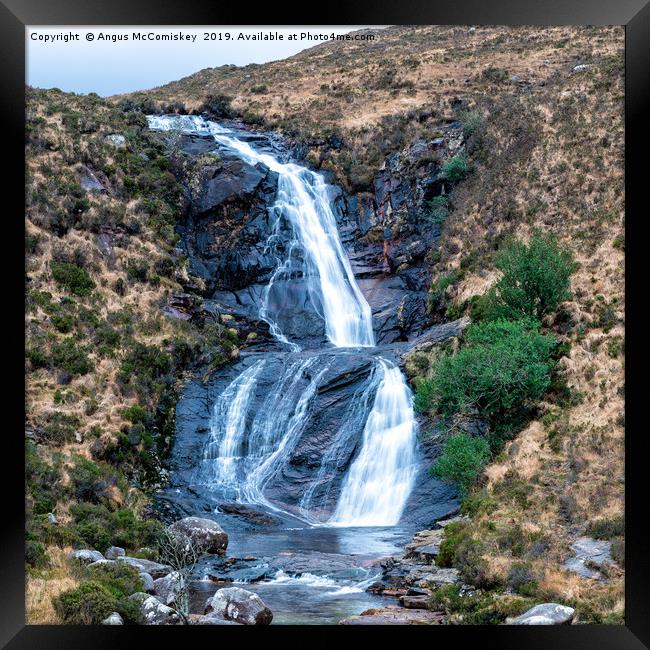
(93, 59)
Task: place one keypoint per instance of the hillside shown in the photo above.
(541, 116)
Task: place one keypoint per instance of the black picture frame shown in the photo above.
(634, 14)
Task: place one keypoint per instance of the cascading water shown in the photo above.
(246, 450)
(388, 450)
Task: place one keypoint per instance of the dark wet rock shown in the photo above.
(451, 520)
(154, 569)
(414, 602)
(248, 513)
(239, 605)
(544, 614)
(86, 556)
(154, 612)
(437, 334)
(425, 544)
(334, 415)
(113, 552)
(206, 534)
(590, 555)
(395, 616)
(242, 571)
(113, 619)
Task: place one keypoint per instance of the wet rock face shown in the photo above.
(233, 242)
(335, 417)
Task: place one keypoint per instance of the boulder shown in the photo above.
(147, 582)
(116, 139)
(206, 534)
(589, 556)
(154, 612)
(113, 619)
(168, 588)
(544, 614)
(239, 605)
(86, 556)
(154, 569)
(114, 552)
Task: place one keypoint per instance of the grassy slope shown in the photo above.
(76, 401)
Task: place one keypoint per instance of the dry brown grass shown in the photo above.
(45, 584)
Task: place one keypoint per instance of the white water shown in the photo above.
(381, 478)
(247, 450)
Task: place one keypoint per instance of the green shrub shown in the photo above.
(500, 367)
(43, 481)
(69, 356)
(58, 428)
(145, 367)
(100, 527)
(73, 278)
(606, 528)
(88, 604)
(90, 482)
(35, 555)
(462, 460)
(438, 209)
(535, 279)
(455, 169)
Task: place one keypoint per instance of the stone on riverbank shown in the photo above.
(239, 605)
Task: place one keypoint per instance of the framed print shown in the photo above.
(326, 324)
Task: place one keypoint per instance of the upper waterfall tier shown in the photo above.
(304, 202)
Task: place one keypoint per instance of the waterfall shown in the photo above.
(381, 478)
(247, 449)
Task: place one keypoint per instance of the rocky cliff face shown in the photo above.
(231, 238)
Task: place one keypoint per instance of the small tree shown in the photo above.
(501, 365)
(535, 278)
(182, 553)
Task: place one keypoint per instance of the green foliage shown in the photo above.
(464, 552)
(42, 481)
(438, 209)
(218, 105)
(99, 527)
(606, 528)
(456, 169)
(501, 366)
(58, 428)
(35, 555)
(89, 481)
(71, 357)
(73, 278)
(462, 460)
(477, 608)
(145, 367)
(88, 604)
(535, 279)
